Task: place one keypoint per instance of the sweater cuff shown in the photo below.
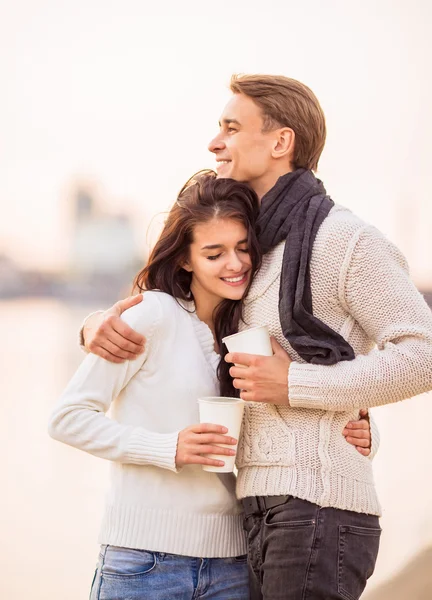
(81, 331)
(151, 448)
(304, 386)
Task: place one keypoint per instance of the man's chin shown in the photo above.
(224, 172)
(229, 173)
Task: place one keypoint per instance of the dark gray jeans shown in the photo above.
(300, 551)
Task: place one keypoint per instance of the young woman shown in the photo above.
(170, 529)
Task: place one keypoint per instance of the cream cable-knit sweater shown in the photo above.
(150, 506)
(360, 288)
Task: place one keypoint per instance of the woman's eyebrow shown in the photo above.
(214, 246)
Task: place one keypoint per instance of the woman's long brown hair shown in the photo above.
(202, 198)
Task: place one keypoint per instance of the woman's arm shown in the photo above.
(79, 416)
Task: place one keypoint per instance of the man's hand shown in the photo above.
(265, 379)
(262, 378)
(196, 440)
(358, 433)
(108, 336)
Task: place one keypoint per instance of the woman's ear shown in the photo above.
(186, 266)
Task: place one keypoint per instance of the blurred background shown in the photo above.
(106, 108)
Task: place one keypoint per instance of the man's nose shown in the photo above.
(216, 144)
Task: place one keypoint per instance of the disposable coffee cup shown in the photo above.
(250, 341)
(229, 413)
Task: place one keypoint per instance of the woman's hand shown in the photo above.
(358, 433)
(196, 440)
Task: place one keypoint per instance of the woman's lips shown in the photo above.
(236, 281)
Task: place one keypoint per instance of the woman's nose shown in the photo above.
(234, 263)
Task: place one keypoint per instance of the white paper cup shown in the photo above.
(250, 341)
(229, 413)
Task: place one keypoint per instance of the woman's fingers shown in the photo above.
(197, 455)
(359, 431)
(213, 438)
(362, 425)
(208, 433)
(201, 449)
(196, 441)
(208, 428)
(357, 442)
(203, 460)
(364, 451)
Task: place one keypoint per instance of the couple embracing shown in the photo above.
(261, 243)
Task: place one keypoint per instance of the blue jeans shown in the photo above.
(128, 574)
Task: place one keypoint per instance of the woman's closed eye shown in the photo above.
(214, 257)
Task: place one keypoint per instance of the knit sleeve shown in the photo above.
(79, 416)
(375, 436)
(381, 297)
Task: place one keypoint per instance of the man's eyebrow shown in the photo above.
(215, 246)
(229, 122)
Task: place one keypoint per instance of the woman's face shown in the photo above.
(219, 261)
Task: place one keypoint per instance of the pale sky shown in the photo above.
(128, 93)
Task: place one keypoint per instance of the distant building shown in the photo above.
(12, 280)
(85, 205)
(102, 244)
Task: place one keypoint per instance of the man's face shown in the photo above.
(243, 152)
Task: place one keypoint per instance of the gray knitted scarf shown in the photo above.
(293, 210)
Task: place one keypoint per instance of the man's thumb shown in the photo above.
(128, 302)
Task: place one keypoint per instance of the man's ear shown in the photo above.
(284, 143)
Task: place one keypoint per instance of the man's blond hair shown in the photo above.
(286, 102)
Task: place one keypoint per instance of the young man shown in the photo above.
(352, 330)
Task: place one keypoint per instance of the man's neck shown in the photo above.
(265, 183)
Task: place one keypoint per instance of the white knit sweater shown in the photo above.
(360, 288)
(150, 505)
